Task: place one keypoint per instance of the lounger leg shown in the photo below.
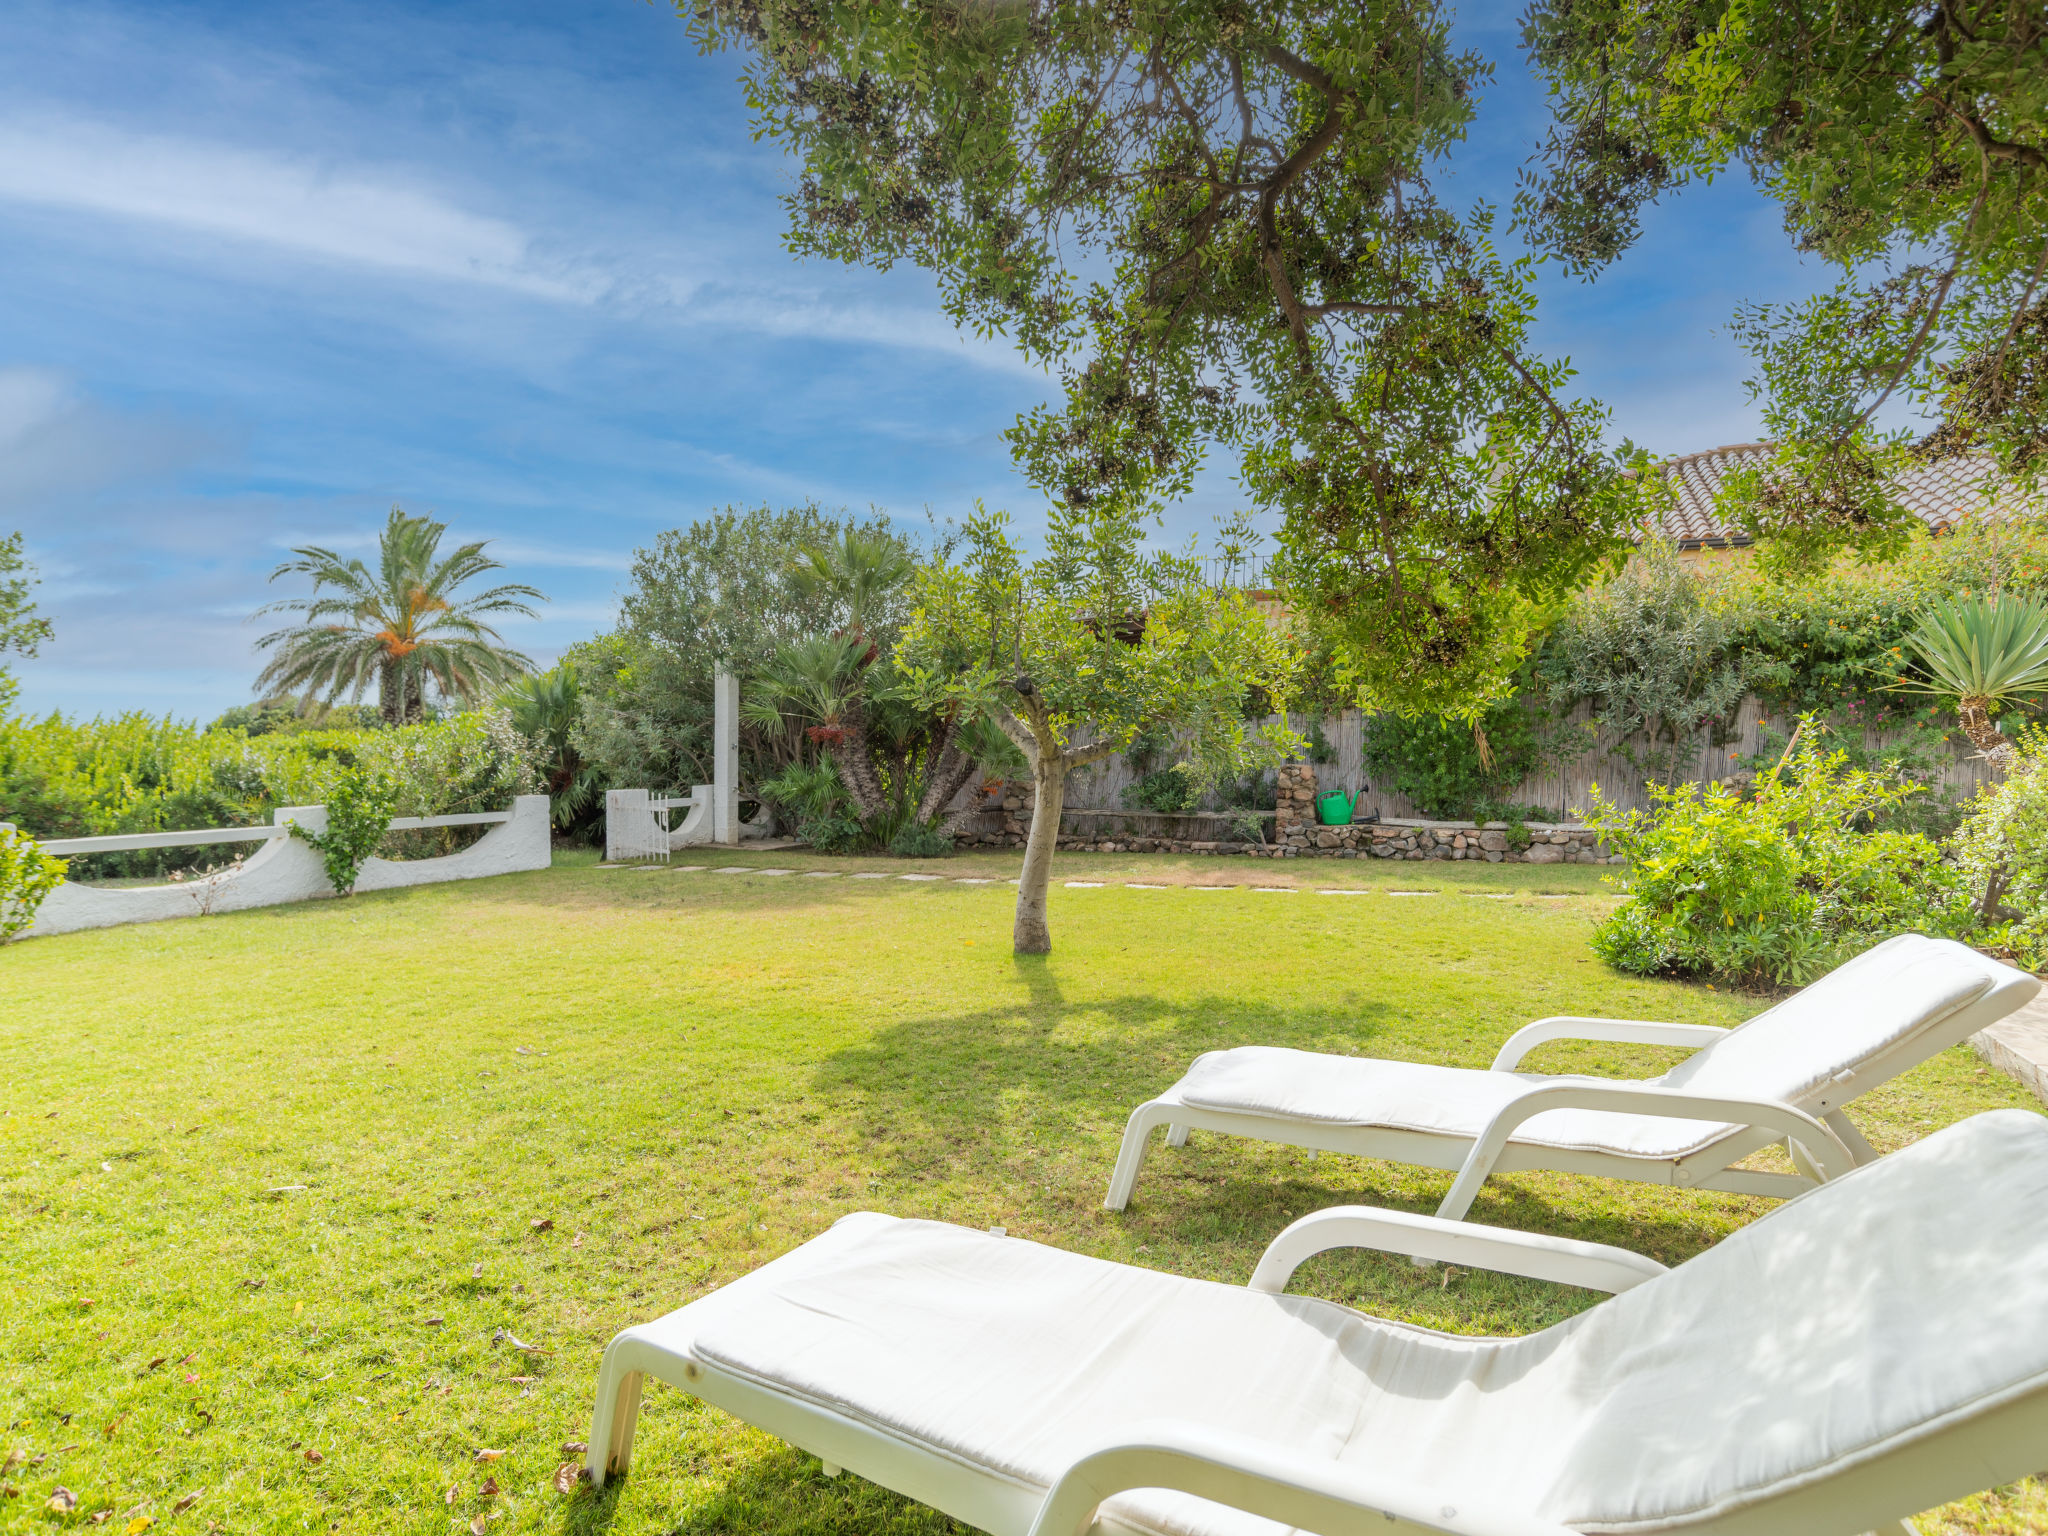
(1177, 1135)
(611, 1426)
(1852, 1138)
(1465, 1188)
(1144, 1120)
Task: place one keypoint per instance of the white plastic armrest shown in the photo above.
(1570, 1027)
(1593, 1265)
(1821, 1145)
(1262, 1478)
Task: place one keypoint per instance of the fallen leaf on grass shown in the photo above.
(576, 1241)
(476, 1271)
(185, 1503)
(85, 1301)
(479, 1525)
(488, 1455)
(506, 1336)
(62, 1500)
(314, 1457)
(103, 1517)
(568, 1475)
(63, 1449)
(454, 1492)
(10, 1490)
(159, 1360)
(14, 1459)
(520, 1050)
(489, 1490)
(190, 1358)
(432, 1322)
(114, 1428)
(138, 1525)
(542, 1224)
(520, 1381)
(574, 1447)
(252, 1285)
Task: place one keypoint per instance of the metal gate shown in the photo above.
(635, 827)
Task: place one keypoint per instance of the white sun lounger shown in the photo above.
(1782, 1077)
(1871, 1350)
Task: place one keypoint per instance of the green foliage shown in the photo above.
(1167, 791)
(131, 773)
(1435, 760)
(810, 797)
(400, 627)
(1979, 656)
(545, 708)
(359, 810)
(1235, 244)
(1772, 888)
(288, 716)
(27, 875)
(1905, 146)
(2001, 852)
(737, 589)
(919, 841)
(1658, 653)
(22, 630)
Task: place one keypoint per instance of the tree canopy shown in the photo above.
(1076, 652)
(1908, 144)
(1214, 219)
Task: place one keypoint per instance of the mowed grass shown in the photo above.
(270, 1182)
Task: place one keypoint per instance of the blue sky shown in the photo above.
(267, 270)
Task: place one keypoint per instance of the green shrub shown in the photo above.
(1168, 792)
(2001, 852)
(1775, 887)
(27, 875)
(811, 799)
(918, 841)
(359, 811)
(1435, 760)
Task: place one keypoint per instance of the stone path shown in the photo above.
(2018, 1045)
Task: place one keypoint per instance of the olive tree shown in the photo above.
(1077, 651)
(1213, 220)
(1907, 142)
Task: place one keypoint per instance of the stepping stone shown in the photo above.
(1274, 890)
(1490, 895)
(1209, 887)
(1132, 885)
(871, 875)
(1343, 893)
(734, 869)
(920, 877)
(1084, 885)
(1415, 893)
(821, 874)
(684, 869)
(974, 879)
(774, 871)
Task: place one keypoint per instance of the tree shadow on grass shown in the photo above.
(989, 1098)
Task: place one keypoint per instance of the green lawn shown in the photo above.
(269, 1182)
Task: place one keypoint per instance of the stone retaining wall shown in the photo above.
(1005, 822)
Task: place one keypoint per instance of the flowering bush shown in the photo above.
(1774, 887)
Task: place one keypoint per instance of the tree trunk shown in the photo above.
(856, 763)
(1976, 720)
(390, 693)
(946, 769)
(1049, 779)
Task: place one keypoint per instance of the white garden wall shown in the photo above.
(285, 869)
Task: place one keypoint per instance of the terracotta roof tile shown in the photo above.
(1941, 493)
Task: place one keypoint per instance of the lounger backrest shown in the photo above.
(1843, 1323)
(1859, 1024)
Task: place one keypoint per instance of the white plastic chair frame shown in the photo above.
(1823, 1142)
(1261, 1478)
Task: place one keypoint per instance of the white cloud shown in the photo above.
(380, 219)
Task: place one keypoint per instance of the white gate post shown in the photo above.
(725, 758)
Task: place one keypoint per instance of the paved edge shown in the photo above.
(2018, 1046)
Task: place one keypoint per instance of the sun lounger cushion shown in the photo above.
(1812, 1338)
(1886, 997)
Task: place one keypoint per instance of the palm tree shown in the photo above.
(545, 707)
(397, 626)
(1982, 654)
(863, 572)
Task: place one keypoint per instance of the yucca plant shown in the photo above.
(398, 626)
(1981, 654)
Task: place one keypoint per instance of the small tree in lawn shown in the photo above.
(1075, 653)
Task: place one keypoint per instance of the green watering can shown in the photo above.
(1334, 809)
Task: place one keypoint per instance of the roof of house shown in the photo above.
(1942, 492)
